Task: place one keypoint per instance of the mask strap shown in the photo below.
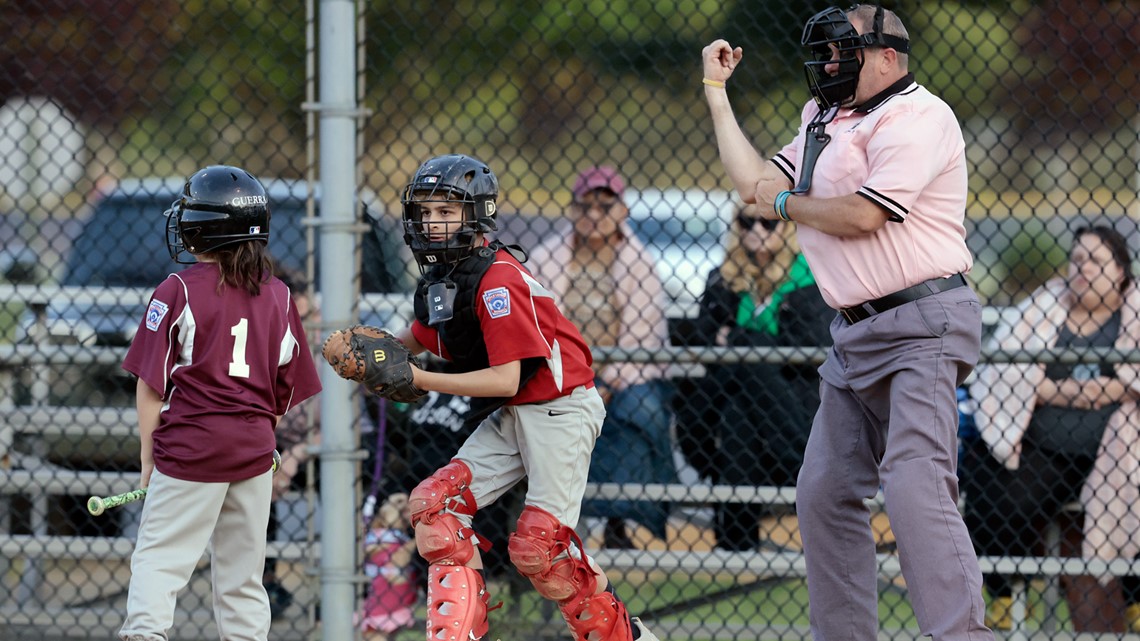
(879, 39)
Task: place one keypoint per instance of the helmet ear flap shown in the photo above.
(173, 234)
(485, 215)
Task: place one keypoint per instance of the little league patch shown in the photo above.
(155, 313)
(498, 302)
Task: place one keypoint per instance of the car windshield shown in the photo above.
(684, 230)
(672, 219)
(664, 233)
(123, 244)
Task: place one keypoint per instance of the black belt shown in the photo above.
(933, 286)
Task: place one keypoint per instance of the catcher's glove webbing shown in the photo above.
(375, 358)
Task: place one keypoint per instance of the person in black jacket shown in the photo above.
(756, 416)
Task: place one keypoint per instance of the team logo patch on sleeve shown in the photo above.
(155, 313)
(498, 302)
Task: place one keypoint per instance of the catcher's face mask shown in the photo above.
(454, 178)
(439, 229)
(836, 46)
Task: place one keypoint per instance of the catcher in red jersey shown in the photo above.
(528, 371)
(220, 356)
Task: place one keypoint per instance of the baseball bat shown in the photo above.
(96, 505)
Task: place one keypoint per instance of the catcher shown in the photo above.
(517, 355)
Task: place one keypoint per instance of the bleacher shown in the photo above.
(32, 429)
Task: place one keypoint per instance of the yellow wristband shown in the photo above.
(713, 83)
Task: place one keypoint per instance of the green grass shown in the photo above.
(10, 312)
(765, 610)
(776, 604)
(768, 610)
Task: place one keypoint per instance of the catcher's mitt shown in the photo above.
(375, 358)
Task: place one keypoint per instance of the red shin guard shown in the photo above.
(456, 604)
(540, 548)
(600, 617)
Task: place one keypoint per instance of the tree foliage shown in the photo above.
(225, 78)
(1086, 74)
(99, 59)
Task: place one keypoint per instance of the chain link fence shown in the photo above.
(107, 106)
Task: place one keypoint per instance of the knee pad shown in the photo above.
(441, 537)
(456, 603)
(445, 540)
(540, 549)
(447, 489)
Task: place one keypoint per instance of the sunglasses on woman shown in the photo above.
(748, 222)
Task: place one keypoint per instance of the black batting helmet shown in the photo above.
(220, 205)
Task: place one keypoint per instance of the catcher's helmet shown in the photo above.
(832, 27)
(220, 205)
(454, 178)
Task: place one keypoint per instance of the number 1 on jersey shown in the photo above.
(238, 366)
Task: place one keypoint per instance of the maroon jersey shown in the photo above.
(226, 366)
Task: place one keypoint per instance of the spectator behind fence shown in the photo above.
(876, 182)
(393, 578)
(220, 356)
(1043, 426)
(758, 415)
(295, 431)
(609, 288)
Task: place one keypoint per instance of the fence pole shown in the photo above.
(337, 154)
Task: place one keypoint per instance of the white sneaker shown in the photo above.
(646, 635)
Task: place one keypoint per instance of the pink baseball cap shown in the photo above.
(603, 177)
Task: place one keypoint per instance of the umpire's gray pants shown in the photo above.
(888, 416)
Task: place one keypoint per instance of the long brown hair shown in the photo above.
(1116, 244)
(743, 274)
(244, 265)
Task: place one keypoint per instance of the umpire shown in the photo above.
(876, 182)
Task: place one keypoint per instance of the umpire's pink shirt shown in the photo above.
(906, 154)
